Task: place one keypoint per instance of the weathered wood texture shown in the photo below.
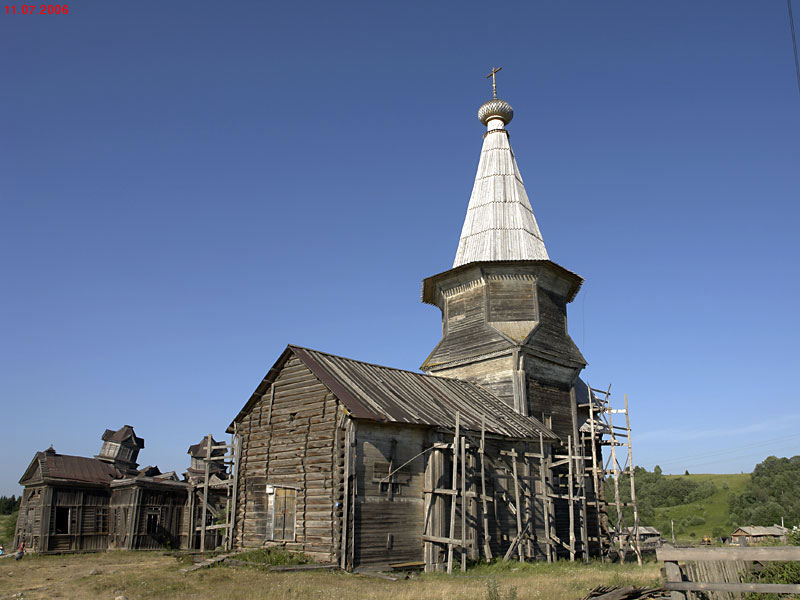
(147, 519)
(389, 509)
(718, 571)
(29, 520)
(465, 330)
(288, 441)
(64, 519)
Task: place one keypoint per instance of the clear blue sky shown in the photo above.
(186, 187)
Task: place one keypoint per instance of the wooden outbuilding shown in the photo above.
(77, 503)
(65, 504)
(756, 534)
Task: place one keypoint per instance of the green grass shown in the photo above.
(7, 525)
(274, 557)
(713, 509)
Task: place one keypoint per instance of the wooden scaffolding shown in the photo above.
(200, 492)
(601, 432)
(554, 494)
(527, 480)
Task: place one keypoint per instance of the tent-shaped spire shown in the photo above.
(500, 224)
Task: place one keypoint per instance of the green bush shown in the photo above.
(774, 572)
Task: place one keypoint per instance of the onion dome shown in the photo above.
(495, 109)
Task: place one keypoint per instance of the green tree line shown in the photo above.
(772, 492)
(9, 505)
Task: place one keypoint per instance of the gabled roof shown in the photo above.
(756, 530)
(122, 434)
(499, 224)
(642, 530)
(384, 394)
(200, 449)
(63, 467)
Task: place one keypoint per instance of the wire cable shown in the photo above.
(794, 44)
(726, 452)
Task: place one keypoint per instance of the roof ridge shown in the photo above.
(371, 364)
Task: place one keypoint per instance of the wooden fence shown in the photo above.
(718, 569)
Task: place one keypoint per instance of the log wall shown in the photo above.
(290, 440)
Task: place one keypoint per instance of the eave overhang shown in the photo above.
(429, 283)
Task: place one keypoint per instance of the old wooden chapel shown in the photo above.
(484, 455)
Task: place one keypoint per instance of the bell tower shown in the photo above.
(504, 302)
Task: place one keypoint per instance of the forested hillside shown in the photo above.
(714, 505)
(772, 492)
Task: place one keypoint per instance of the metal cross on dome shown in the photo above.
(494, 83)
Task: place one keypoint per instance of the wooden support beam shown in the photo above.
(205, 494)
(463, 507)
(570, 483)
(595, 474)
(441, 540)
(487, 550)
(528, 496)
(237, 457)
(453, 500)
(543, 475)
(515, 544)
(636, 546)
(615, 471)
(517, 505)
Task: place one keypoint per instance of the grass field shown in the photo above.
(7, 525)
(713, 509)
(137, 575)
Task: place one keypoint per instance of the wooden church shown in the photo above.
(482, 456)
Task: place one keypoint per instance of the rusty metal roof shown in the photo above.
(389, 395)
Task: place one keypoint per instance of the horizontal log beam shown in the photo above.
(764, 588)
(703, 554)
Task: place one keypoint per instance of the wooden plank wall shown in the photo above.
(29, 521)
(83, 506)
(289, 438)
(389, 516)
(465, 332)
(169, 507)
(120, 519)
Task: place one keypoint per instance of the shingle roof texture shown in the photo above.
(499, 224)
(76, 468)
(385, 394)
